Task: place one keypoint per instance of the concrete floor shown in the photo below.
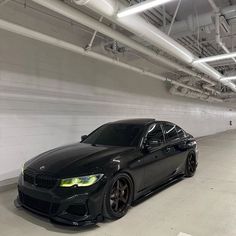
(204, 205)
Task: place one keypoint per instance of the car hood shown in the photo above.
(75, 159)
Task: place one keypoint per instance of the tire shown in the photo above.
(118, 197)
(191, 165)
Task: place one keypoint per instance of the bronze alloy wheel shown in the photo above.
(119, 197)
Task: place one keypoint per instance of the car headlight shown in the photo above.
(83, 181)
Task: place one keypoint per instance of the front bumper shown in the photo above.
(72, 206)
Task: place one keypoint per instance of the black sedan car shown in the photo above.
(113, 167)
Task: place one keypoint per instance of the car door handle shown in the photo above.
(168, 149)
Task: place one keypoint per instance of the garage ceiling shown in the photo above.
(200, 39)
(194, 28)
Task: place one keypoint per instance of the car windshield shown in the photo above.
(116, 135)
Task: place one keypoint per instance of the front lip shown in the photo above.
(91, 198)
(64, 219)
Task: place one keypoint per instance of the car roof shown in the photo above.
(141, 121)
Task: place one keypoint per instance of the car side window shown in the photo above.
(170, 132)
(155, 134)
(180, 132)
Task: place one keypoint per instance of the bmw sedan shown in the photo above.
(116, 165)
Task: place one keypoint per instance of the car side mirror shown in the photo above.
(83, 137)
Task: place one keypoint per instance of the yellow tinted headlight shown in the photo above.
(83, 181)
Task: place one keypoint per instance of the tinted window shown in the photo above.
(170, 132)
(180, 132)
(155, 133)
(116, 135)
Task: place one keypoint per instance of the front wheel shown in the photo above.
(191, 165)
(118, 197)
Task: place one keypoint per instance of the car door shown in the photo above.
(174, 142)
(154, 156)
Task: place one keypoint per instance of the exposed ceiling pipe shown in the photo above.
(187, 93)
(90, 44)
(218, 38)
(229, 12)
(137, 25)
(20, 30)
(230, 94)
(204, 86)
(70, 12)
(174, 16)
(164, 17)
(217, 25)
(209, 88)
(213, 5)
(77, 16)
(205, 22)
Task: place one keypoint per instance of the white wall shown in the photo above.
(50, 97)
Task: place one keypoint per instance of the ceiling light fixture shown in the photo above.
(140, 7)
(228, 78)
(216, 58)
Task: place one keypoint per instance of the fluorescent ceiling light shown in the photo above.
(140, 7)
(216, 58)
(229, 78)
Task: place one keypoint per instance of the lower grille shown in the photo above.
(79, 210)
(42, 206)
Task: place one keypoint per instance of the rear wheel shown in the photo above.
(118, 197)
(191, 165)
